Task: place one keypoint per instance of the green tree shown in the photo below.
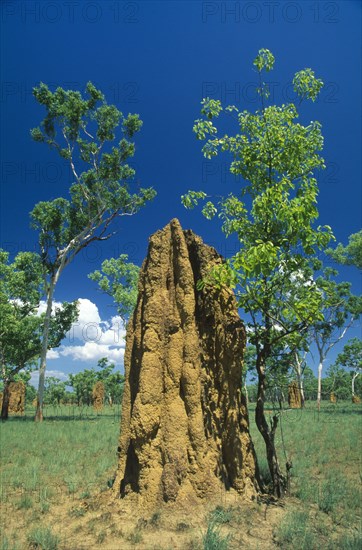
(274, 218)
(20, 326)
(55, 390)
(119, 278)
(351, 358)
(340, 310)
(351, 254)
(70, 397)
(248, 368)
(310, 383)
(82, 130)
(277, 371)
(83, 382)
(30, 393)
(113, 381)
(337, 381)
(298, 350)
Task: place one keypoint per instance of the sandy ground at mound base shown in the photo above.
(102, 522)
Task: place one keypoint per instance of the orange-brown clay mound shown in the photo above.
(356, 399)
(16, 397)
(98, 394)
(294, 396)
(184, 428)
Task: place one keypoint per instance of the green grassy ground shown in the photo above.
(325, 450)
(72, 456)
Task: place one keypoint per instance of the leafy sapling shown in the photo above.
(274, 217)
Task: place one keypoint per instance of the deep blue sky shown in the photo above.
(159, 59)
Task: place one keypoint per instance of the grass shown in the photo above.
(42, 538)
(135, 537)
(25, 502)
(155, 519)
(213, 539)
(62, 457)
(325, 451)
(221, 515)
(74, 457)
(294, 532)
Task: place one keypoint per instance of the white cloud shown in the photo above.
(53, 354)
(98, 338)
(42, 307)
(34, 380)
(89, 324)
(93, 351)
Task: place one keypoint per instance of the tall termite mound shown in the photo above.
(294, 395)
(184, 428)
(98, 394)
(16, 397)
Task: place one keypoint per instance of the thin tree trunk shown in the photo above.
(6, 400)
(43, 356)
(354, 376)
(267, 433)
(302, 391)
(319, 394)
(298, 372)
(246, 393)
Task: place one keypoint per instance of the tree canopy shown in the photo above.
(351, 254)
(274, 216)
(82, 129)
(21, 289)
(118, 278)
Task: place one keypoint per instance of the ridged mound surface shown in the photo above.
(184, 428)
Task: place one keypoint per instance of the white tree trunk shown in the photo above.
(300, 381)
(246, 393)
(299, 375)
(43, 356)
(319, 395)
(354, 376)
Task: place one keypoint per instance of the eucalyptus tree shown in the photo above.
(81, 130)
(21, 290)
(274, 217)
(340, 310)
(351, 358)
